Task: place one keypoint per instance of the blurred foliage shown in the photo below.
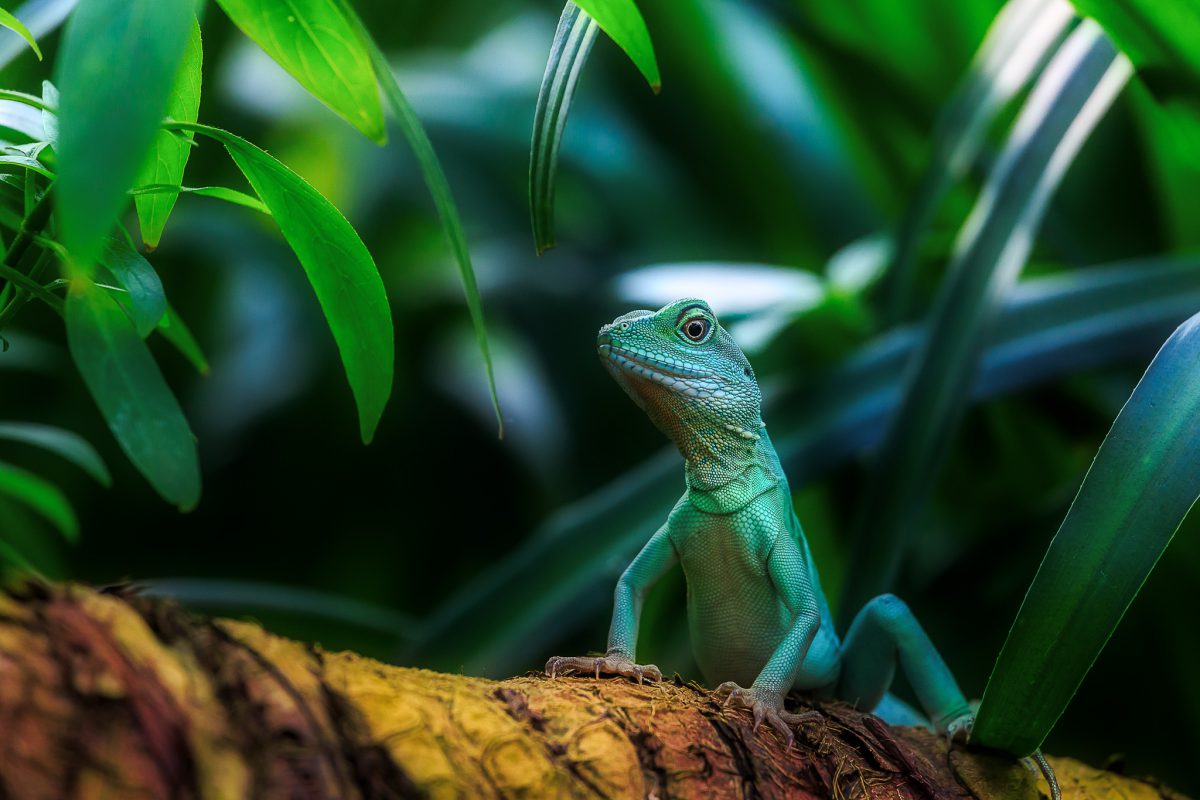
(790, 149)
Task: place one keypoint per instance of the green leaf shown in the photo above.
(118, 62)
(215, 192)
(1159, 36)
(135, 401)
(562, 574)
(71, 446)
(338, 265)
(42, 497)
(439, 188)
(317, 45)
(568, 53)
(1015, 48)
(168, 158)
(1071, 96)
(175, 331)
(41, 18)
(1135, 495)
(7, 20)
(622, 21)
(147, 303)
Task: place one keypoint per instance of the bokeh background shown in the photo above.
(787, 134)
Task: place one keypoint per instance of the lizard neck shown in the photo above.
(726, 485)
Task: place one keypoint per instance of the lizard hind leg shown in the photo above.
(886, 634)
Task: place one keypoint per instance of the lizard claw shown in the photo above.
(613, 664)
(959, 727)
(766, 707)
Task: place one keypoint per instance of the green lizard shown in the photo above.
(758, 619)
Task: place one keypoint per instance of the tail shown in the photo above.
(1047, 773)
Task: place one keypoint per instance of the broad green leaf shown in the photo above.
(147, 303)
(1072, 95)
(7, 20)
(1159, 36)
(215, 192)
(118, 62)
(338, 265)
(622, 21)
(42, 497)
(568, 53)
(25, 162)
(70, 446)
(318, 46)
(170, 154)
(562, 574)
(175, 331)
(1015, 48)
(1145, 478)
(439, 188)
(135, 401)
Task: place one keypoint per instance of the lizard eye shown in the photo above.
(696, 329)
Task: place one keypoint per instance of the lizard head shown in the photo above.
(689, 376)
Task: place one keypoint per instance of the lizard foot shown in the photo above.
(959, 727)
(766, 707)
(613, 664)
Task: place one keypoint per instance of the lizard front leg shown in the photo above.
(650, 564)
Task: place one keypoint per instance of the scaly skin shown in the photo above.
(759, 622)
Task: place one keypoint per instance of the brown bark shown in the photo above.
(107, 694)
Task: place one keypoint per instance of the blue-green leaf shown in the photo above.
(135, 401)
(1071, 96)
(338, 265)
(118, 62)
(42, 497)
(70, 446)
(568, 53)
(1145, 478)
(147, 303)
(169, 157)
(1015, 48)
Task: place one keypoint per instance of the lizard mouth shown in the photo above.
(655, 367)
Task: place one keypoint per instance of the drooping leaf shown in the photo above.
(41, 496)
(41, 17)
(562, 574)
(1159, 36)
(70, 446)
(568, 53)
(1071, 96)
(129, 389)
(175, 330)
(623, 23)
(147, 303)
(118, 62)
(215, 192)
(169, 156)
(317, 45)
(7, 20)
(1015, 48)
(21, 117)
(1143, 482)
(338, 265)
(439, 188)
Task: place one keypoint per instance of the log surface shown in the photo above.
(109, 694)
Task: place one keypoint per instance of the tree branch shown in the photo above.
(114, 694)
